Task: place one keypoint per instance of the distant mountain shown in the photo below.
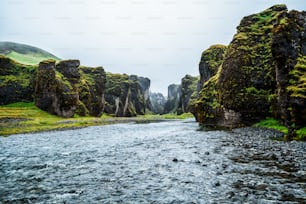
(25, 54)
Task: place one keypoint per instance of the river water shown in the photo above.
(166, 162)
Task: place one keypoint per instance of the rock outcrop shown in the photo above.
(125, 95)
(91, 91)
(65, 88)
(189, 91)
(211, 59)
(158, 102)
(140, 97)
(54, 91)
(262, 73)
(289, 53)
(174, 94)
(16, 81)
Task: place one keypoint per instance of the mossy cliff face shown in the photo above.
(189, 86)
(140, 89)
(16, 81)
(173, 99)
(53, 91)
(211, 59)
(262, 72)
(91, 91)
(126, 95)
(289, 52)
(65, 88)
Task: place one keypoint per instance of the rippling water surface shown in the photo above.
(168, 162)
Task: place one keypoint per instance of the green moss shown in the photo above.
(272, 124)
(297, 81)
(213, 57)
(301, 134)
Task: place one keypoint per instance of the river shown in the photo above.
(165, 162)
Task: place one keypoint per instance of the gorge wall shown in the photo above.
(261, 73)
(126, 95)
(65, 88)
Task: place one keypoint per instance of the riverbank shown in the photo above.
(27, 118)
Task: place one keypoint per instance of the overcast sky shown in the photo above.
(159, 39)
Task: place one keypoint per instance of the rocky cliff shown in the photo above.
(64, 89)
(91, 91)
(262, 73)
(211, 59)
(158, 102)
(16, 81)
(174, 94)
(126, 95)
(189, 91)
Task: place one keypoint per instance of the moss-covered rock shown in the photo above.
(126, 95)
(53, 91)
(16, 81)
(91, 91)
(262, 73)
(289, 52)
(189, 86)
(140, 89)
(211, 60)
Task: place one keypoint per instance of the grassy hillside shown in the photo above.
(24, 54)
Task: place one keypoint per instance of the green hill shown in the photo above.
(24, 54)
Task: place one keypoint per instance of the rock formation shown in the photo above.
(91, 91)
(54, 91)
(174, 94)
(189, 91)
(65, 88)
(262, 73)
(211, 59)
(16, 81)
(126, 95)
(158, 102)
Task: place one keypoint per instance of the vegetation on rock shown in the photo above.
(261, 73)
(126, 95)
(189, 91)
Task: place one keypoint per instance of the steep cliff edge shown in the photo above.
(65, 88)
(173, 99)
(56, 91)
(262, 73)
(91, 91)
(189, 91)
(211, 59)
(125, 95)
(158, 102)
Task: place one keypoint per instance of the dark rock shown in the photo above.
(188, 93)
(262, 73)
(211, 59)
(69, 68)
(91, 91)
(158, 102)
(174, 94)
(175, 160)
(126, 95)
(53, 92)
